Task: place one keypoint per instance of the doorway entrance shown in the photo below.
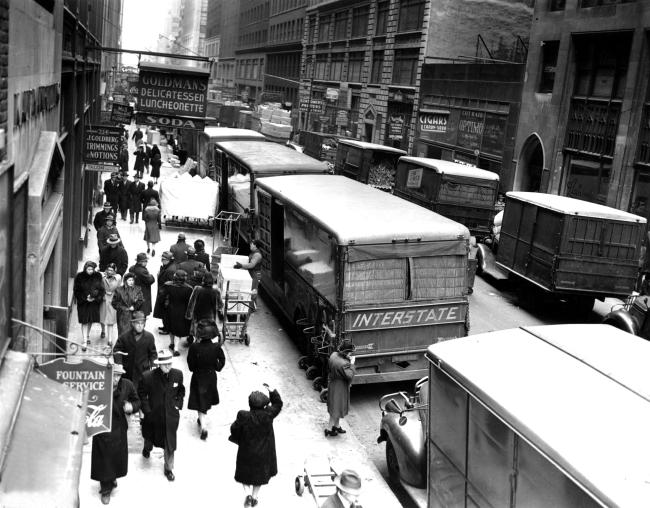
(531, 165)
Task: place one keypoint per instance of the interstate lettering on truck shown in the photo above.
(400, 318)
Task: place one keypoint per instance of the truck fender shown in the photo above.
(482, 255)
(622, 320)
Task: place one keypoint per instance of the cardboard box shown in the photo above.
(229, 260)
(239, 284)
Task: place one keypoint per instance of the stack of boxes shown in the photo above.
(275, 122)
(238, 282)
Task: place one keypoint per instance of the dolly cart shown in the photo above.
(319, 484)
(236, 311)
(222, 239)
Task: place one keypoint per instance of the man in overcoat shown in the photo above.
(166, 274)
(112, 191)
(144, 280)
(140, 348)
(161, 393)
(114, 252)
(135, 196)
(110, 451)
(124, 195)
(100, 217)
(341, 373)
(179, 249)
(148, 194)
(106, 231)
(176, 295)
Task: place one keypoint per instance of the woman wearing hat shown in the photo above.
(156, 162)
(89, 292)
(203, 303)
(126, 299)
(341, 373)
(107, 314)
(253, 432)
(106, 231)
(140, 348)
(144, 280)
(348, 488)
(204, 360)
(176, 297)
(110, 450)
(152, 225)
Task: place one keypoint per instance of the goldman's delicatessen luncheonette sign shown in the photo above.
(172, 95)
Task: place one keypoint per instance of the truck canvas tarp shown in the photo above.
(368, 163)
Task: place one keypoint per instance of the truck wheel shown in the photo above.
(312, 372)
(479, 262)
(300, 485)
(303, 362)
(323, 395)
(392, 464)
(319, 383)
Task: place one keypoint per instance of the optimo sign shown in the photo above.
(87, 376)
(173, 91)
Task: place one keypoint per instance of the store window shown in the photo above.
(640, 201)
(340, 25)
(550, 51)
(336, 67)
(360, 21)
(601, 65)
(324, 29)
(382, 18)
(355, 64)
(405, 66)
(377, 66)
(588, 179)
(411, 15)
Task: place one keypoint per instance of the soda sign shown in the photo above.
(170, 121)
(374, 319)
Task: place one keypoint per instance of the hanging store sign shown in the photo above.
(87, 376)
(102, 145)
(316, 106)
(396, 126)
(121, 113)
(172, 91)
(433, 121)
(168, 122)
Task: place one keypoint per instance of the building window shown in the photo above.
(324, 29)
(360, 21)
(340, 25)
(321, 64)
(549, 63)
(311, 37)
(336, 67)
(592, 126)
(355, 63)
(405, 67)
(382, 18)
(556, 5)
(588, 179)
(601, 65)
(411, 15)
(594, 3)
(377, 66)
(309, 67)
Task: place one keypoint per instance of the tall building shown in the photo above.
(227, 20)
(362, 59)
(584, 127)
(190, 37)
(252, 43)
(284, 49)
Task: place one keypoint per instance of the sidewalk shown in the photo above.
(205, 469)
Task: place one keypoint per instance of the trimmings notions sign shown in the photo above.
(102, 145)
(172, 92)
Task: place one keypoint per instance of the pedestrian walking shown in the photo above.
(176, 296)
(140, 348)
(340, 375)
(144, 280)
(253, 432)
(140, 158)
(136, 188)
(149, 194)
(114, 253)
(147, 161)
(152, 225)
(156, 163)
(200, 254)
(195, 269)
(123, 204)
(165, 274)
(112, 191)
(161, 393)
(106, 231)
(110, 450)
(123, 159)
(107, 313)
(126, 300)
(88, 290)
(348, 489)
(204, 360)
(179, 249)
(137, 135)
(203, 304)
(100, 217)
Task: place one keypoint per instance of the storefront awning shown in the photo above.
(42, 428)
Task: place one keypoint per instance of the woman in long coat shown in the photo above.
(203, 303)
(204, 360)
(151, 219)
(144, 280)
(127, 299)
(107, 313)
(257, 462)
(341, 373)
(110, 451)
(176, 295)
(165, 274)
(156, 162)
(89, 292)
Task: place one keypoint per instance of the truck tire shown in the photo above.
(392, 464)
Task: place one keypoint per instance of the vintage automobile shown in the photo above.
(631, 316)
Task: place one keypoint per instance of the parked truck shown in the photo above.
(544, 416)
(560, 248)
(368, 163)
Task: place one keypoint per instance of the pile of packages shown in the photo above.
(321, 276)
(275, 122)
(239, 188)
(238, 283)
(382, 175)
(188, 196)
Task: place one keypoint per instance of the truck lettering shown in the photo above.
(368, 320)
(398, 318)
(387, 317)
(409, 317)
(452, 313)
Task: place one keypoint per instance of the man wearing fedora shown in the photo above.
(110, 451)
(112, 191)
(114, 252)
(106, 230)
(340, 375)
(144, 280)
(140, 348)
(100, 217)
(161, 393)
(348, 488)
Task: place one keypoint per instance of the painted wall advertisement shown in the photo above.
(433, 121)
(90, 376)
(102, 147)
(172, 92)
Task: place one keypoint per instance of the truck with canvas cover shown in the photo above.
(463, 193)
(344, 260)
(368, 163)
(569, 248)
(535, 416)
(239, 163)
